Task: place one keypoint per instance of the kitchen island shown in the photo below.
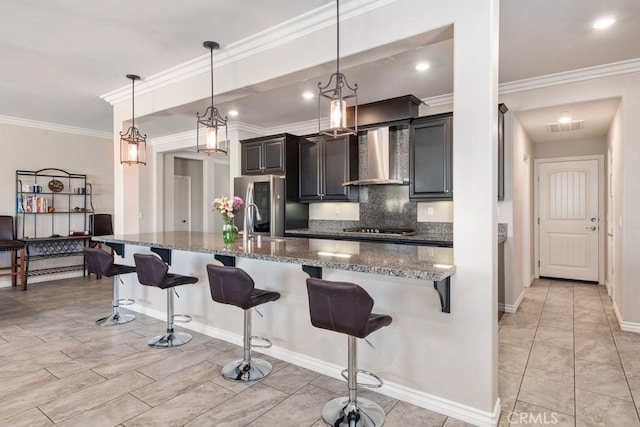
(400, 279)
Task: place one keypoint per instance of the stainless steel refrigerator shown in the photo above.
(276, 208)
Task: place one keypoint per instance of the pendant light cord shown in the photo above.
(211, 50)
(133, 104)
(337, 36)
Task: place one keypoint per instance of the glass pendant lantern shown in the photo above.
(215, 126)
(133, 145)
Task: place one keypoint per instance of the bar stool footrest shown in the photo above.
(262, 342)
(376, 380)
(182, 318)
(126, 301)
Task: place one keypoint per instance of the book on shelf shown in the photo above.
(35, 204)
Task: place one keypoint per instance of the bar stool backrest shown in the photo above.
(7, 230)
(230, 285)
(151, 270)
(98, 261)
(339, 306)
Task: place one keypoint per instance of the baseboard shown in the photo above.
(512, 308)
(625, 326)
(531, 279)
(415, 397)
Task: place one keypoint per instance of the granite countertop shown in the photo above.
(400, 260)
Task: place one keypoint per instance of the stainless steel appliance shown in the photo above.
(275, 210)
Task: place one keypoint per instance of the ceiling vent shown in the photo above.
(566, 127)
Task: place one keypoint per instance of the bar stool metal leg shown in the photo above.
(349, 411)
(247, 368)
(171, 338)
(116, 318)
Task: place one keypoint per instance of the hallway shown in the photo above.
(564, 361)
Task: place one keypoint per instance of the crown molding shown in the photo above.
(438, 101)
(573, 76)
(247, 127)
(286, 31)
(549, 80)
(17, 121)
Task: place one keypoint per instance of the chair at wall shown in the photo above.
(152, 271)
(346, 308)
(232, 285)
(9, 243)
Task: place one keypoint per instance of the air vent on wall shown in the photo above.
(565, 127)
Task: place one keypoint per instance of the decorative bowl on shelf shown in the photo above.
(56, 186)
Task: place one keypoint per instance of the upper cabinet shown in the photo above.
(502, 110)
(325, 164)
(269, 155)
(430, 158)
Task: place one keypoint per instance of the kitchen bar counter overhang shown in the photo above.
(405, 261)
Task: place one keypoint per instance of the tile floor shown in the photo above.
(58, 368)
(563, 360)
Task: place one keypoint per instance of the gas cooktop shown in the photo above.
(384, 231)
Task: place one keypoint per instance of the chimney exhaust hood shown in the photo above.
(382, 160)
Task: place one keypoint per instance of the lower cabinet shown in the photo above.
(430, 158)
(325, 164)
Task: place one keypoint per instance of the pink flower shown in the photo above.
(227, 207)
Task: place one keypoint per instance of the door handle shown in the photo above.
(591, 228)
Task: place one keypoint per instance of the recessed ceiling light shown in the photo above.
(233, 113)
(604, 22)
(422, 66)
(307, 94)
(565, 118)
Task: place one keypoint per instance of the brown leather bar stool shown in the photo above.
(346, 308)
(152, 271)
(9, 243)
(232, 285)
(101, 263)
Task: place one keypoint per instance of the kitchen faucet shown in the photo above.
(248, 218)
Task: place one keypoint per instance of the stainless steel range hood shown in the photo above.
(382, 166)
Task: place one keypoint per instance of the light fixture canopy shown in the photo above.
(133, 145)
(337, 91)
(213, 123)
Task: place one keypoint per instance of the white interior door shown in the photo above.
(569, 219)
(181, 203)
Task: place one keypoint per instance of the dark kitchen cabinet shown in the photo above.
(430, 158)
(502, 110)
(325, 164)
(268, 155)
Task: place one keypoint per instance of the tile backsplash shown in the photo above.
(387, 206)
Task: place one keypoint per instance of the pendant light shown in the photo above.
(213, 123)
(133, 146)
(337, 91)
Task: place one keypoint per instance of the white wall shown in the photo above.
(582, 147)
(615, 140)
(28, 148)
(520, 234)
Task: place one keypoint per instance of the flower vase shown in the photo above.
(229, 231)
